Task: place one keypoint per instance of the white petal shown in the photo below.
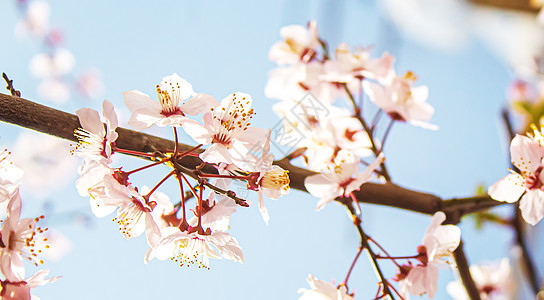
(262, 208)
(508, 189)
(526, 153)
(532, 206)
(109, 114)
(322, 188)
(201, 103)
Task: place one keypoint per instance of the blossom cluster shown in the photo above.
(20, 238)
(53, 67)
(230, 155)
(307, 68)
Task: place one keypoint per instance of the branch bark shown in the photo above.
(47, 120)
(464, 273)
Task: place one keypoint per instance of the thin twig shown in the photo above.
(10, 87)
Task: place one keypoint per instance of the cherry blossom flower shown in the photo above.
(356, 65)
(18, 289)
(439, 243)
(527, 154)
(18, 240)
(401, 101)
(299, 44)
(95, 142)
(322, 290)
(292, 83)
(268, 179)
(10, 177)
(494, 280)
(134, 214)
(339, 178)
(91, 183)
(194, 248)
(227, 129)
(169, 111)
(336, 133)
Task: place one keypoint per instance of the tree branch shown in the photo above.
(47, 120)
(464, 272)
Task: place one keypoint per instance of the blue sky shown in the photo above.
(222, 47)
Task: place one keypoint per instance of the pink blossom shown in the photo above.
(171, 110)
(527, 154)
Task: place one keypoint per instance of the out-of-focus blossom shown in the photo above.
(435, 24)
(10, 176)
(171, 110)
(95, 142)
(322, 290)
(227, 129)
(439, 243)
(90, 83)
(401, 101)
(299, 44)
(36, 20)
(340, 178)
(494, 280)
(48, 168)
(59, 244)
(54, 65)
(18, 289)
(527, 154)
(54, 90)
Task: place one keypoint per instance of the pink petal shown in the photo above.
(90, 121)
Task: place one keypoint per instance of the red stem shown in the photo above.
(352, 265)
(158, 184)
(148, 166)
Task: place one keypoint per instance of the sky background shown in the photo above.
(222, 47)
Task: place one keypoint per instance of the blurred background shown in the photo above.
(467, 53)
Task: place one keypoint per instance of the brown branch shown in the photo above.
(464, 271)
(517, 222)
(10, 87)
(44, 119)
(528, 6)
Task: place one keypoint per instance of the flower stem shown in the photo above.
(158, 184)
(148, 166)
(370, 131)
(183, 225)
(386, 134)
(352, 265)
